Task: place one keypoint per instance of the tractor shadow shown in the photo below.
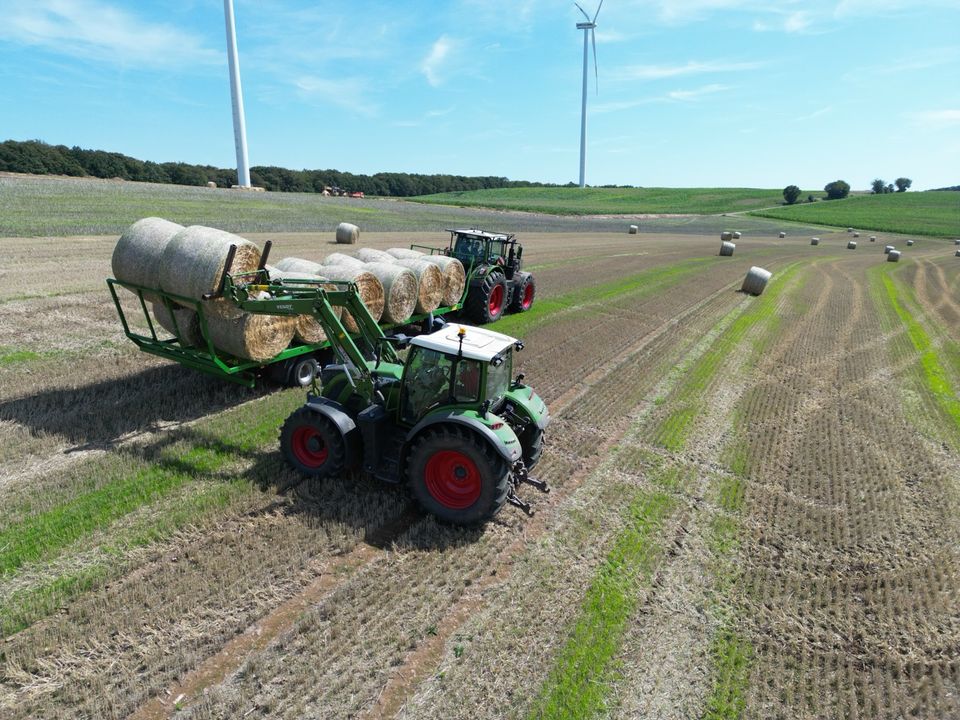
(102, 414)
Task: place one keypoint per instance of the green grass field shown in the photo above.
(910, 213)
(613, 201)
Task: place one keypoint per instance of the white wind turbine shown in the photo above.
(588, 25)
(239, 123)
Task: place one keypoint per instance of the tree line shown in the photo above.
(839, 189)
(39, 158)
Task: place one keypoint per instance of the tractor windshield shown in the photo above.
(469, 248)
(499, 372)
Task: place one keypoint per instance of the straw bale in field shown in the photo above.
(251, 336)
(909, 243)
(726, 236)
(887, 249)
(347, 234)
(851, 245)
(405, 253)
(368, 285)
(633, 230)
(893, 256)
(454, 277)
(727, 248)
(138, 252)
(187, 322)
(369, 255)
(342, 259)
(756, 280)
(782, 234)
(430, 281)
(193, 263)
(736, 234)
(399, 289)
(308, 329)
(814, 241)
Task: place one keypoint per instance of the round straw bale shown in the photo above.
(399, 289)
(187, 322)
(814, 241)
(404, 253)
(138, 253)
(851, 244)
(782, 234)
(347, 234)
(956, 242)
(849, 229)
(341, 259)
(909, 243)
(251, 336)
(957, 253)
(755, 281)
(308, 329)
(193, 263)
(727, 248)
(298, 265)
(893, 256)
(633, 230)
(856, 234)
(370, 255)
(873, 238)
(887, 249)
(430, 279)
(726, 236)
(736, 234)
(368, 285)
(454, 277)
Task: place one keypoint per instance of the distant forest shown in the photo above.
(39, 158)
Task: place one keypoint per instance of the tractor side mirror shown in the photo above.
(518, 345)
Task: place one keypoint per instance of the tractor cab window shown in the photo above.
(499, 373)
(497, 250)
(468, 248)
(427, 382)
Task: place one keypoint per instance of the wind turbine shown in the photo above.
(588, 25)
(236, 92)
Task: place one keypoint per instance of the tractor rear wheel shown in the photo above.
(456, 476)
(313, 444)
(487, 301)
(523, 294)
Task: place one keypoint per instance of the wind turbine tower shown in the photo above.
(590, 25)
(239, 123)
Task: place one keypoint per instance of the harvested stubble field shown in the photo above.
(754, 506)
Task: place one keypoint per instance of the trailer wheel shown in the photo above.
(456, 476)
(301, 371)
(313, 444)
(487, 301)
(524, 294)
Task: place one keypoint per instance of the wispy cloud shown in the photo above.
(795, 22)
(689, 95)
(435, 64)
(347, 93)
(935, 119)
(673, 96)
(95, 30)
(422, 120)
(814, 114)
(692, 67)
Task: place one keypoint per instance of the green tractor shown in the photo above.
(448, 419)
(496, 281)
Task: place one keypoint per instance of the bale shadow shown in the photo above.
(101, 414)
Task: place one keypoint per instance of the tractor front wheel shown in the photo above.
(456, 476)
(313, 444)
(487, 301)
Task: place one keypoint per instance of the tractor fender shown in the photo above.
(348, 427)
(509, 449)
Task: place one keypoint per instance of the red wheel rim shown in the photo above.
(496, 299)
(308, 446)
(452, 479)
(527, 297)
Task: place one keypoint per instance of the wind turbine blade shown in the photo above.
(583, 11)
(596, 73)
(598, 11)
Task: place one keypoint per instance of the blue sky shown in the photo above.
(691, 92)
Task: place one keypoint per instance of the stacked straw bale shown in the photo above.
(347, 234)
(814, 241)
(296, 265)
(399, 289)
(368, 285)
(727, 248)
(369, 255)
(251, 336)
(405, 253)
(887, 249)
(755, 281)
(187, 321)
(430, 282)
(454, 276)
(193, 261)
(893, 256)
(308, 328)
(341, 259)
(139, 251)
(633, 230)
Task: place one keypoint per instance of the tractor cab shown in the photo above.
(457, 366)
(481, 248)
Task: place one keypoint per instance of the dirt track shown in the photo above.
(847, 543)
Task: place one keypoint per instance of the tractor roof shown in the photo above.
(478, 343)
(482, 233)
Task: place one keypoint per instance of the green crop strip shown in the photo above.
(935, 377)
(639, 285)
(575, 687)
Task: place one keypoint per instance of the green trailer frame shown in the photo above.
(208, 359)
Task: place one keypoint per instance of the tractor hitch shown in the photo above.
(522, 475)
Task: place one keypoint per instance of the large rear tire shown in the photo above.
(456, 476)
(313, 445)
(524, 294)
(487, 301)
